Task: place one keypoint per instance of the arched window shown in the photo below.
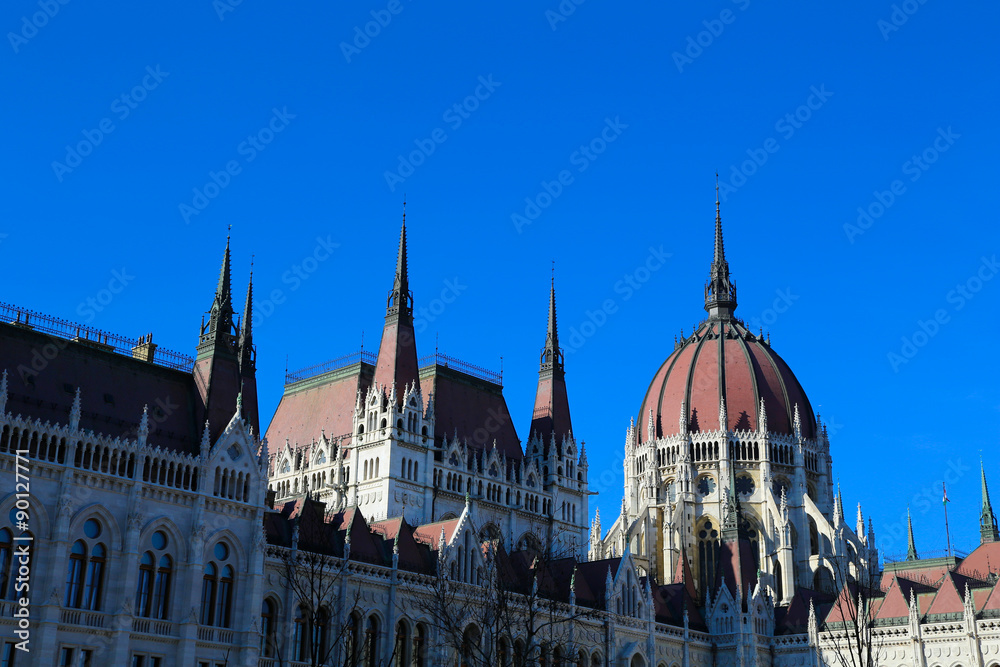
(419, 646)
(353, 639)
(93, 585)
(224, 600)
(371, 642)
(74, 574)
(6, 562)
(708, 554)
(300, 635)
(401, 652)
(144, 590)
(779, 585)
(813, 538)
(209, 589)
(267, 626)
(470, 640)
(318, 637)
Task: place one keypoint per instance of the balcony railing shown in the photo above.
(217, 635)
(463, 367)
(366, 356)
(150, 626)
(90, 619)
(103, 340)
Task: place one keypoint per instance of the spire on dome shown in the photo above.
(220, 316)
(720, 292)
(987, 519)
(911, 545)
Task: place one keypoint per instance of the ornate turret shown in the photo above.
(720, 292)
(397, 354)
(217, 369)
(551, 414)
(987, 520)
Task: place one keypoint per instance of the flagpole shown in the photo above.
(947, 534)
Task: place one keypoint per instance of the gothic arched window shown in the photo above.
(708, 553)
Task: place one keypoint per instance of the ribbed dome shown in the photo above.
(720, 361)
(723, 360)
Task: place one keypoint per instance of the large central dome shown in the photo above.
(723, 361)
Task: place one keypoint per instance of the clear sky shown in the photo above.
(588, 134)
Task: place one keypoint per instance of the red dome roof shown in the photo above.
(722, 359)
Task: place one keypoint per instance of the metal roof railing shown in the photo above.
(123, 345)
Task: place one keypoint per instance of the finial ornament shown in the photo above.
(720, 292)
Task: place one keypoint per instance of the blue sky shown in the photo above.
(136, 134)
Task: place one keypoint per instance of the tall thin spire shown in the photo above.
(551, 415)
(552, 356)
(911, 545)
(246, 327)
(400, 300)
(397, 355)
(987, 519)
(720, 292)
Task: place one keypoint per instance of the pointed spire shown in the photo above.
(838, 509)
(911, 545)
(840, 501)
(797, 423)
(144, 426)
(723, 422)
(552, 356)
(400, 300)
(74, 412)
(206, 441)
(246, 328)
(987, 519)
(223, 293)
(860, 527)
(762, 417)
(682, 419)
(551, 416)
(720, 293)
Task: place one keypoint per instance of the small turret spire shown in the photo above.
(246, 328)
(720, 292)
(911, 545)
(987, 519)
(400, 300)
